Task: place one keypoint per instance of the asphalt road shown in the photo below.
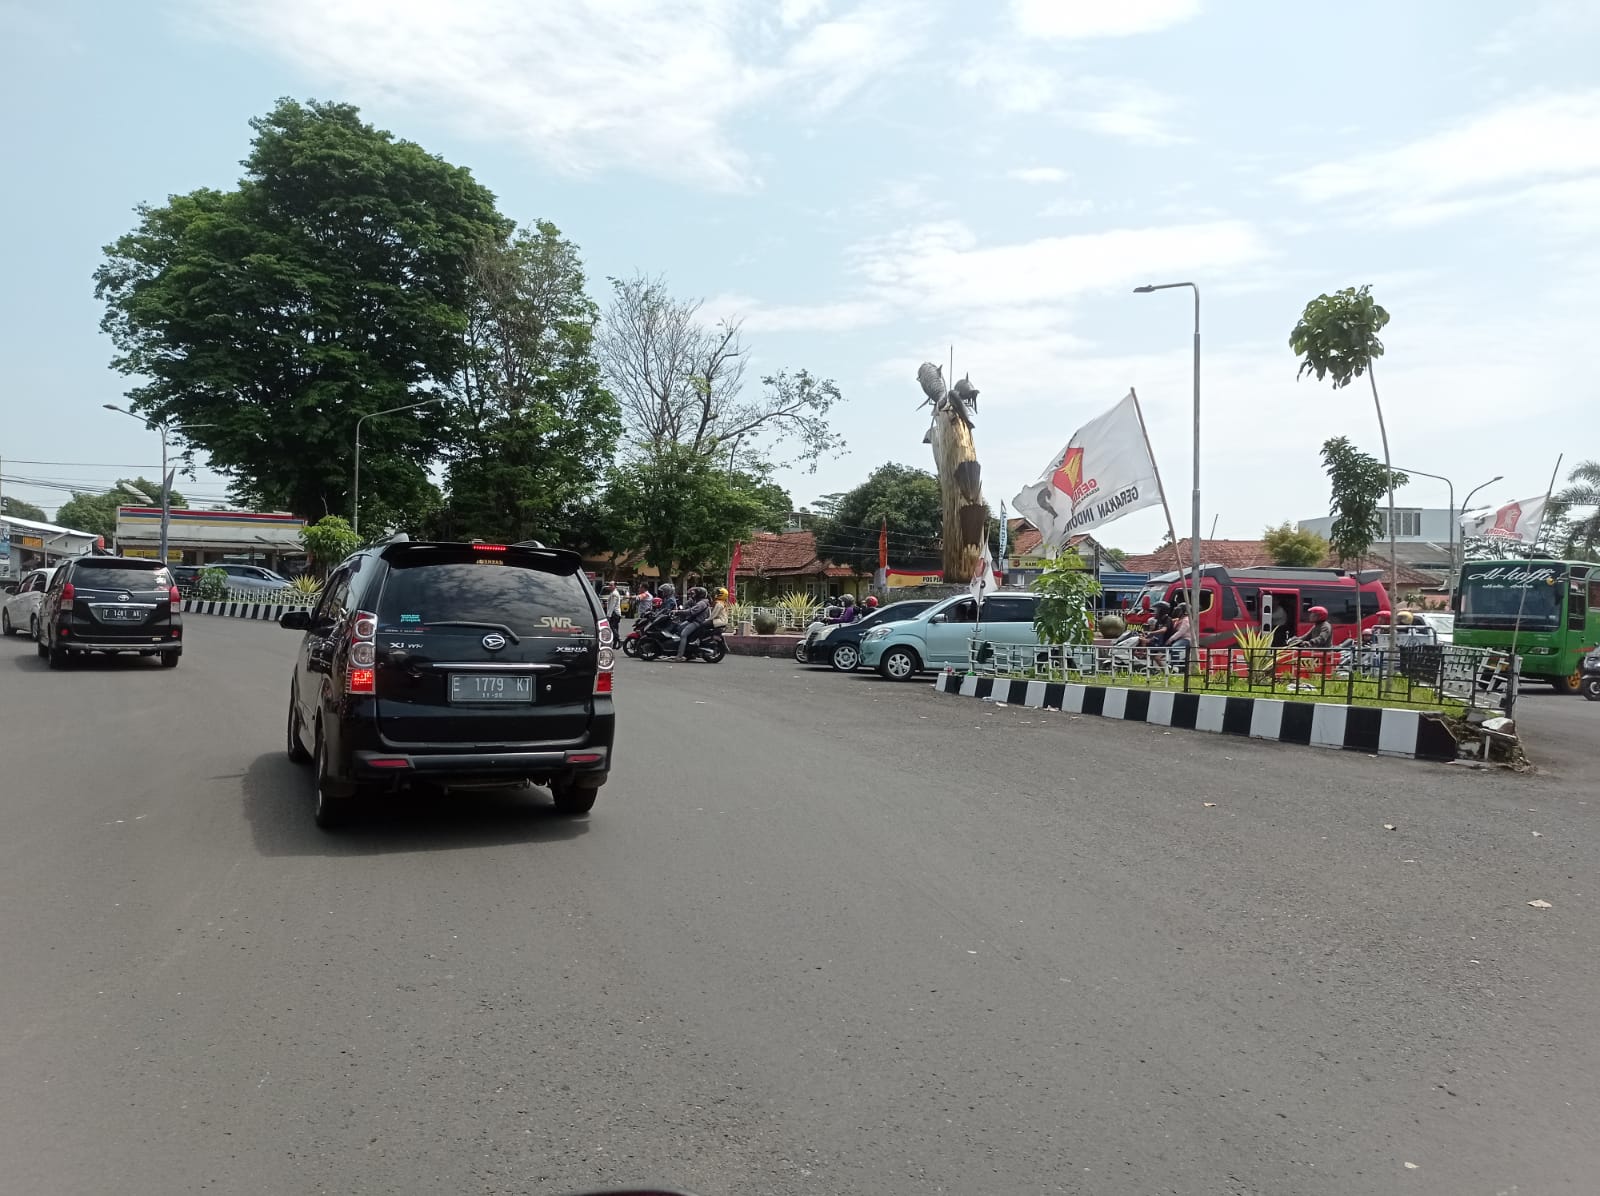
(822, 934)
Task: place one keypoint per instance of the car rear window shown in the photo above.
(482, 591)
(109, 575)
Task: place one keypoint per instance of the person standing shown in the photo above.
(612, 605)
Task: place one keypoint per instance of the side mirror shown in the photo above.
(941, 617)
(295, 620)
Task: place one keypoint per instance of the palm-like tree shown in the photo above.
(1582, 492)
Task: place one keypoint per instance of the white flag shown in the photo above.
(1514, 523)
(983, 577)
(1104, 473)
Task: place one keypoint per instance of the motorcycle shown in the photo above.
(630, 642)
(660, 639)
(1589, 683)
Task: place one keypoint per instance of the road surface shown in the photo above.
(823, 934)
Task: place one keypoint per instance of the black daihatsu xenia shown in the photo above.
(452, 663)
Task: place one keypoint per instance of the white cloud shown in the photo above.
(1121, 108)
(1038, 174)
(1537, 137)
(590, 84)
(1081, 19)
(843, 315)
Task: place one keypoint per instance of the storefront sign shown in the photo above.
(29, 542)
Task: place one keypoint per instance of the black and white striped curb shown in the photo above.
(1380, 730)
(237, 610)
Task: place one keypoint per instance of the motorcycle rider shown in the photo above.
(666, 598)
(1321, 633)
(694, 619)
(719, 609)
(846, 613)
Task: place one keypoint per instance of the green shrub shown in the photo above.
(766, 624)
(211, 585)
(1066, 589)
(1111, 626)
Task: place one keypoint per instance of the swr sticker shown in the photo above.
(558, 623)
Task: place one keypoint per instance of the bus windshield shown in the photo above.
(1494, 594)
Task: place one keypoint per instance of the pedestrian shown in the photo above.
(612, 605)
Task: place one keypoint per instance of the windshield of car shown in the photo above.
(480, 591)
(121, 575)
(1512, 594)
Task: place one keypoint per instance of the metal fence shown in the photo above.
(1426, 676)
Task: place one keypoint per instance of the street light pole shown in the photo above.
(355, 486)
(166, 497)
(1194, 497)
(1466, 505)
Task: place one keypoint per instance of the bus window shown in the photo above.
(1594, 592)
(1577, 612)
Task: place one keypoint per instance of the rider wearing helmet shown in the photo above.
(1321, 633)
(1182, 630)
(1158, 628)
(871, 603)
(695, 616)
(719, 609)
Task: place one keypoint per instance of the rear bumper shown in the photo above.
(147, 647)
(589, 764)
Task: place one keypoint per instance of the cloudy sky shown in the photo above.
(869, 182)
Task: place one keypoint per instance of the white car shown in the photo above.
(1443, 624)
(252, 579)
(22, 604)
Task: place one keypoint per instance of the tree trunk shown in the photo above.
(1394, 555)
(966, 515)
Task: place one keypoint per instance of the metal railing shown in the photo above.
(1425, 676)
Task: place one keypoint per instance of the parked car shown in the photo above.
(110, 604)
(1443, 624)
(185, 577)
(21, 609)
(941, 635)
(252, 579)
(453, 663)
(839, 644)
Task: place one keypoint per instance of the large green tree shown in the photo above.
(10, 505)
(684, 512)
(534, 423)
(329, 284)
(97, 513)
(905, 498)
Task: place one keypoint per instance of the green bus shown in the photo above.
(1551, 607)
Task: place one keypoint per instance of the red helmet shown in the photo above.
(1318, 614)
(872, 600)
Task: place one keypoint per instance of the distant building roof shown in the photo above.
(786, 554)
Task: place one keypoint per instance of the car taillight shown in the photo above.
(362, 677)
(605, 661)
(66, 596)
(176, 599)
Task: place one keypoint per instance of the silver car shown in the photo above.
(18, 615)
(252, 579)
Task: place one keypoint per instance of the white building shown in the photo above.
(28, 544)
(1422, 537)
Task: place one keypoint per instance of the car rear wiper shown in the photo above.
(510, 635)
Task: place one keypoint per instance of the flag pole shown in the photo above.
(1172, 532)
(1544, 517)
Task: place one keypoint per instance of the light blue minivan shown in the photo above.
(942, 635)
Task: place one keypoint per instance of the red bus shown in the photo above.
(1231, 599)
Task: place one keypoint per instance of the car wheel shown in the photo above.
(57, 657)
(40, 647)
(649, 650)
(5, 623)
(572, 799)
(33, 626)
(169, 660)
(332, 810)
(899, 664)
(296, 748)
(800, 654)
(1591, 688)
(845, 658)
(1570, 684)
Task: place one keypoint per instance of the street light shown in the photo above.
(1194, 498)
(1466, 505)
(166, 498)
(355, 488)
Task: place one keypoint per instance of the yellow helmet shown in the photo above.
(722, 591)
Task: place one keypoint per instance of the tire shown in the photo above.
(33, 626)
(333, 810)
(1591, 688)
(5, 623)
(845, 658)
(574, 800)
(649, 650)
(1570, 684)
(800, 654)
(169, 660)
(40, 648)
(57, 657)
(630, 647)
(294, 747)
(715, 652)
(899, 664)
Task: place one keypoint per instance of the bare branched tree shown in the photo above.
(680, 381)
